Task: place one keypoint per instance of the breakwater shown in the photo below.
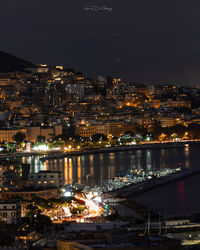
(135, 189)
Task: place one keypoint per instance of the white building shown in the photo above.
(10, 212)
(45, 179)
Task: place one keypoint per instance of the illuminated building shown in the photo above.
(6, 81)
(42, 68)
(48, 132)
(14, 103)
(7, 134)
(180, 103)
(76, 89)
(59, 67)
(117, 80)
(156, 103)
(9, 176)
(89, 130)
(30, 194)
(168, 121)
(115, 129)
(45, 179)
(10, 212)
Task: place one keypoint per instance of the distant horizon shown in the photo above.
(173, 82)
(139, 40)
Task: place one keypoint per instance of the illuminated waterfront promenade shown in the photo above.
(155, 145)
(61, 154)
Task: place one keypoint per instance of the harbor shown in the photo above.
(126, 174)
(103, 169)
(112, 197)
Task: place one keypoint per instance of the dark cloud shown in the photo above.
(153, 40)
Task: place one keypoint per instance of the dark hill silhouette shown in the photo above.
(10, 63)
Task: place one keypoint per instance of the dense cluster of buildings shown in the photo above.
(17, 183)
(43, 100)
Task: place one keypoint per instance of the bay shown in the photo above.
(181, 197)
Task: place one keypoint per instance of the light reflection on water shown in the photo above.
(175, 198)
(95, 167)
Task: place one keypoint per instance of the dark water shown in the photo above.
(181, 197)
(177, 198)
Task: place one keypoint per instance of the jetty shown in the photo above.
(144, 186)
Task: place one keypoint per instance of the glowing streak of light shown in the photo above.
(93, 208)
(67, 211)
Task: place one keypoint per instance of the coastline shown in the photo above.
(59, 154)
(116, 149)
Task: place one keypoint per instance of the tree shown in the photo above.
(194, 130)
(97, 137)
(42, 221)
(69, 130)
(141, 130)
(130, 133)
(19, 137)
(41, 138)
(37, 220)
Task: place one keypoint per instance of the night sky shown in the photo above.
(139, 40)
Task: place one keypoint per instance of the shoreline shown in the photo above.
(117, 149)
(59, 154)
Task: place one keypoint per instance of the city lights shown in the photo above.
(68, 194)
(41, 148)
(99, 129)
(67, 211)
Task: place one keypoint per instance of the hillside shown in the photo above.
(10, 63)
